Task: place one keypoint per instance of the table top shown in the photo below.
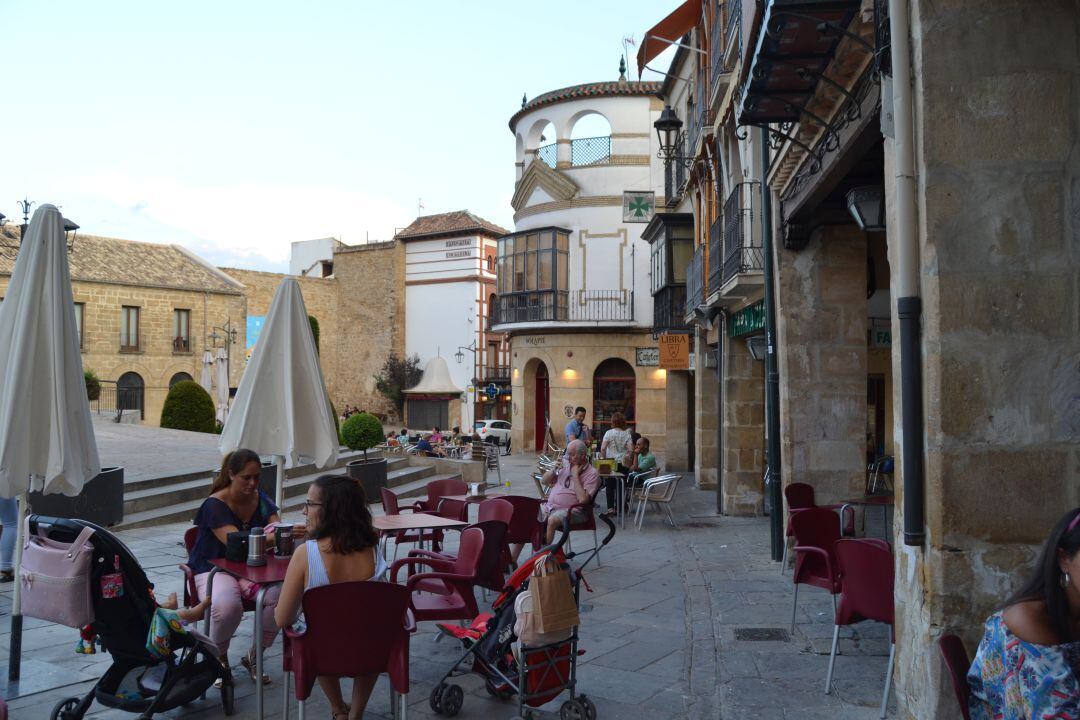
(414, 521)
(475, 498)
(272, 572)
(871, 500)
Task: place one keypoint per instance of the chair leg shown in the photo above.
(834, 607)
(888, 679)
(671, 519)
(285, 696)
(300, 712)
(794, 604)
(832, 658)
(783, 560)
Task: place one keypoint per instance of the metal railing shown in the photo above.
(602, 305)
(716, 44)
(181, 344)
(742, 230)
(495, 373)
(733, 24)
(549, 154)
(694, 280)
(669, 308)
(716, 255)
(562, 305)
(590, 151)
(114, 400)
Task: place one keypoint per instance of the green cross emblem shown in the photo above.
(640, 207)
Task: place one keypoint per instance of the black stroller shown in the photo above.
(538, 674)
(137, 681)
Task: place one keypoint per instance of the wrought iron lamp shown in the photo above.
(70, 228)
(757, 345)
(671, 136)
(866, 204)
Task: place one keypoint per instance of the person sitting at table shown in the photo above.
(403, 437)
(575, 483)
(342, 546)
(235, 504)
(391, 441)
(1028, 663)
(436, 437)
(616, 446)
(423, 447)
(643, 460)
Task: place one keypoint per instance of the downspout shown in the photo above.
(772, 373)
(908, 301)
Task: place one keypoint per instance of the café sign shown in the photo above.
(674, 351)
(749, 319)
(647, 357)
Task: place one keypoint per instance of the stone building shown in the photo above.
(573, 292)
(145, 314)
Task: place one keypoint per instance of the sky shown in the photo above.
(236, 128)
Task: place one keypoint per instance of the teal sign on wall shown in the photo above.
(747, 320)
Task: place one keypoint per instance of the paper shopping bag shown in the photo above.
(554, 607)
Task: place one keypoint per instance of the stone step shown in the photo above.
(405, 474)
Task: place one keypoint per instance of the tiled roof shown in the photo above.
(576, 92)
(127, 262)
(459, 222)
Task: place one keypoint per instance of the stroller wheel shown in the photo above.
(573, 710)
(452, 699)
(435, 698)
(64, 710)
(227, 697)
(590, 708)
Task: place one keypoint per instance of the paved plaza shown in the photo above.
(659, 630)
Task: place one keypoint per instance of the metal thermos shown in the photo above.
(283, 536)
(256, 547)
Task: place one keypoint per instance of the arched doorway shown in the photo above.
(130, 393)
(614, 390)
(179, 378)
(542, 403)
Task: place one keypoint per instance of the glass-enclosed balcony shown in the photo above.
(671, 245)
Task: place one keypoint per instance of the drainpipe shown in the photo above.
(772, 372)
(908, 301)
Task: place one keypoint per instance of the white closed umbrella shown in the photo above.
(281, 407)
(221, 375)
(205, 378)
(46, 437)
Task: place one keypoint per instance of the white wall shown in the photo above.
(305, 253)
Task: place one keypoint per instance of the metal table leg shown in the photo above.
(206, 618)
(259, 651)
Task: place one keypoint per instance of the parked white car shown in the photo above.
(498, 429)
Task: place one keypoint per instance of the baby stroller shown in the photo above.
(537, 674)
(136, 681)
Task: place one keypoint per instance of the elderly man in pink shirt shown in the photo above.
(575, 483)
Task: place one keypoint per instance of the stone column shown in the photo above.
(821, 319)
(680, 387)
(706, 451)
(744, 430)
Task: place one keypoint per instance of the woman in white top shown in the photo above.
(343, 547)
(616, 446)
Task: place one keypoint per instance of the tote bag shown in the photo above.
(554, 607)
(55, 578)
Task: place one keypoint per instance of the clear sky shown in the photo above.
(234, 127)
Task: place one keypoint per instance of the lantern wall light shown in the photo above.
(672, 137)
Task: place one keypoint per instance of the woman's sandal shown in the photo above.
(248, 661)
(335, 714)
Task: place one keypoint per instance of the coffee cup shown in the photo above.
(283, 539)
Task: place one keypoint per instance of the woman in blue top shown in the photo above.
(1028, 663)
(343, 548)
(235, 504)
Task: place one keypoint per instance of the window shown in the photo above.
(129, 329)
(179, 378)
(80, 309)
(181, 331)
(532, 275)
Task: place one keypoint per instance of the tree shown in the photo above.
(188, 407)
(397, 375)
(93, 385)
(362, 431)
(314, 322)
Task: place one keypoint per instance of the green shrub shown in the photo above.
(93, 385)
(313, 321)
(188, 407)
(362, 431)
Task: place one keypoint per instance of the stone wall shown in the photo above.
(707, 425)
(744, 430)
(821, 324)
(998, 163)
(680, 389)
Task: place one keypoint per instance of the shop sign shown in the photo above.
(882, 337)
(674, 351)
(647, 357)
(534, 341)
(747, 320)
(638, 207)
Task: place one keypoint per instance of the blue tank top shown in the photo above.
(316, 569)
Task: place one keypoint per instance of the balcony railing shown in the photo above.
(549, 154)
(694, 280)
(590, 151)
(561, 305)
(669, 308)
(742, 230)
(716, 43)
(733, 34)
(495, 373)
(716, 255)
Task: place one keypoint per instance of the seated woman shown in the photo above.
(235, 505)
(1028, 663)
(343, 548)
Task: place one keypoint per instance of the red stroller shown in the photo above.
(543, 672)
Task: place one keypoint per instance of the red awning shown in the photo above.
(670, 29)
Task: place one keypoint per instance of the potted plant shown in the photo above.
(363, 431)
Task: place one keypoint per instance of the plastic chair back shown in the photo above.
(866, 581)
(453, 510)
(191, 590)
(799, 495)
(956, 661)
(469, 550)
(817, 528)
(524, 526)
(329, 645)
(437, 488)
(389, 501)
(491, 562)
(495, 509)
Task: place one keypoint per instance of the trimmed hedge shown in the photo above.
(93, 385)
(362, 431)
(188, 407)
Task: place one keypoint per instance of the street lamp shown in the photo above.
(866, 204)
(671, 136)
(460, 357)
(227, 338)
(70, 227)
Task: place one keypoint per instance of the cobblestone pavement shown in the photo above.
(659, 630)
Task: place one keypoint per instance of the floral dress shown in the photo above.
(1011, 679)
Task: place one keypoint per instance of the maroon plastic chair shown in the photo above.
(391, 507)
(453, 510)
(816, 532)
(495, 509)
(525, 525)
(800, 496)
(490, 568)
(437, 488)
(341, 642)
(956, 660)
(866, 593)
(450, 595)
(191, 590)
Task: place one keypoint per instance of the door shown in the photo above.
(130, 393)
(542, 410)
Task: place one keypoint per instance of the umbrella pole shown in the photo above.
(15, 643)
(280, 491)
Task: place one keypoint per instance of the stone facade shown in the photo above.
(706, 419)
(744, 430)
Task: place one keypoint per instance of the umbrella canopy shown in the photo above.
(281, 407)
(45, 427)
(205, 376)
(221, 371)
